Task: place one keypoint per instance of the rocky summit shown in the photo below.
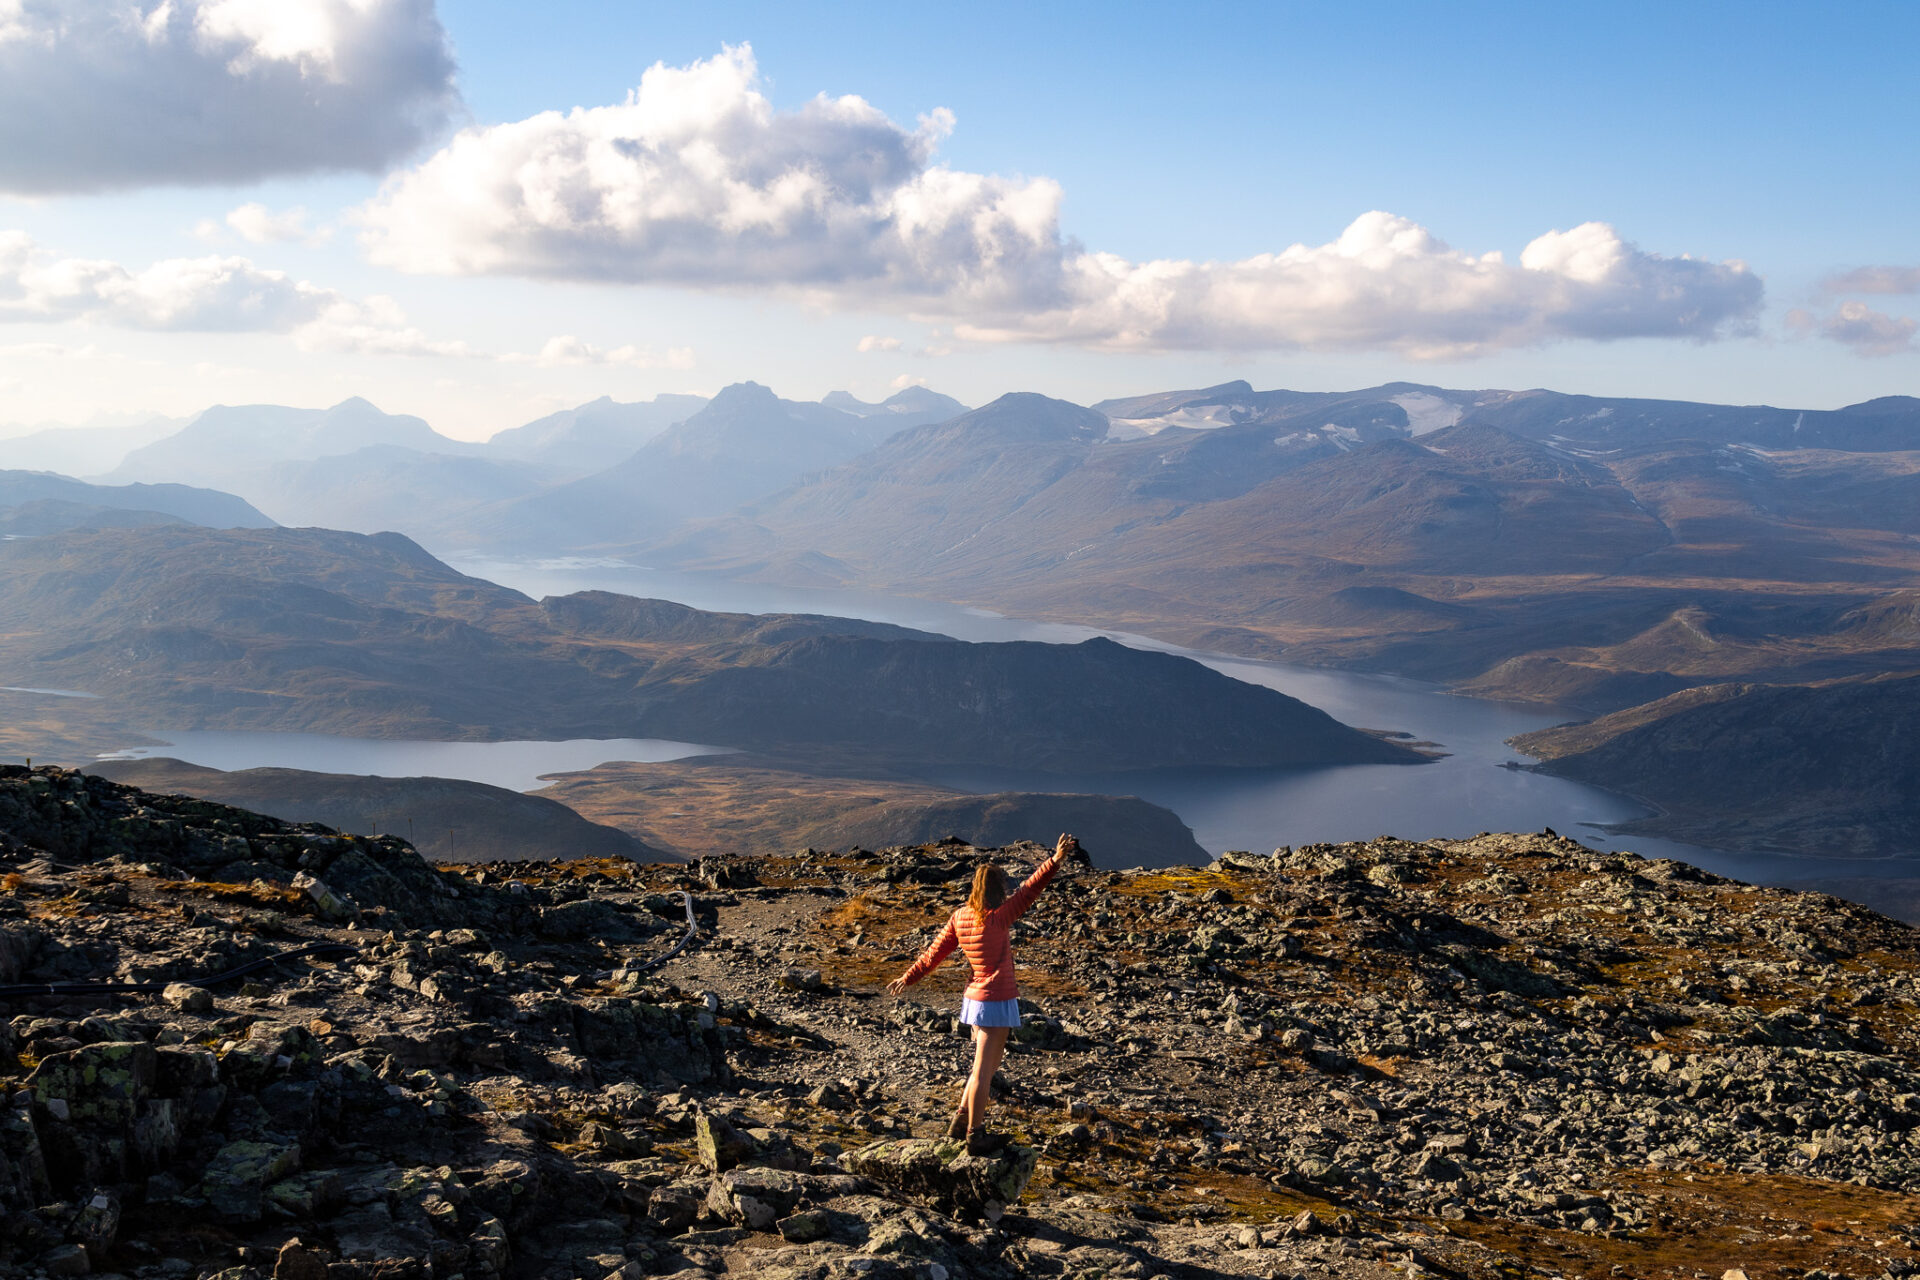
(245, 1048)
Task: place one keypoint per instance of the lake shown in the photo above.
(1467, 792)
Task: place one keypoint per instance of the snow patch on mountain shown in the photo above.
(1427, 412)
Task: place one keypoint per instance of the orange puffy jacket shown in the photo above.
(986, 942)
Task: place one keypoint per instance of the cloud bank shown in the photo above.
(101, 95)
(697, 181)
(214, 294)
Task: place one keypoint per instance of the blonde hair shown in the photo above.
(989, 889)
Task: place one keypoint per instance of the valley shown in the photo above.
(1588, 555)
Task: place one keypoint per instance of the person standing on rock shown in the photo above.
(991, 1005)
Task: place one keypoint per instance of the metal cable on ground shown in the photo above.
(678, 947)
(22, 989)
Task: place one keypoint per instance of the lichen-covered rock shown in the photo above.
(721, 1146)
(306, 1195)
(99, 1084)
(235, 1183)
(938, 1171)
(907, 1232)
(803, 1227)
(757, 1198)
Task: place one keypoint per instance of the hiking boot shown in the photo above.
(982, 1143)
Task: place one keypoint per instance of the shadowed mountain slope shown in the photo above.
(1831, 770)
(180, 502)
(446, 819)
(370, 636)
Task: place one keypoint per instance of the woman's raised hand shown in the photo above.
(1064, 847)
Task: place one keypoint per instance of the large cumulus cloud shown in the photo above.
(696, 180)
(109, 94)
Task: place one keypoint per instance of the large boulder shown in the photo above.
(939, 1172)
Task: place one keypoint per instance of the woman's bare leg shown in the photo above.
(989, 1043)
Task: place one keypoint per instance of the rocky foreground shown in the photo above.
(1494, 1057)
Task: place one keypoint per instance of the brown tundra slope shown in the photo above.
(1497, 1057)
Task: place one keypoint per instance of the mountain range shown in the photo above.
(743, 444)
(601, 471)
(1520, 545)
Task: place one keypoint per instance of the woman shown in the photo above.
(992, 1002)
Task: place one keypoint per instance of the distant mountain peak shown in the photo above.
(921, 403)
(743, 393)
(1030, 416)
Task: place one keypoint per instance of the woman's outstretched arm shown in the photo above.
(929, 960)
(1020, 899)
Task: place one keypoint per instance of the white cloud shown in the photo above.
(1884, 280)
(214, 294)
(109, 94)
(375, 327)
(906, 380)
(565, 349)
(873, 342)
(1857, 325)
(695, 180)
(210, 294)
(1389, 283)
(261, 225)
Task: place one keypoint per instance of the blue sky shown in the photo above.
(1770, 144)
